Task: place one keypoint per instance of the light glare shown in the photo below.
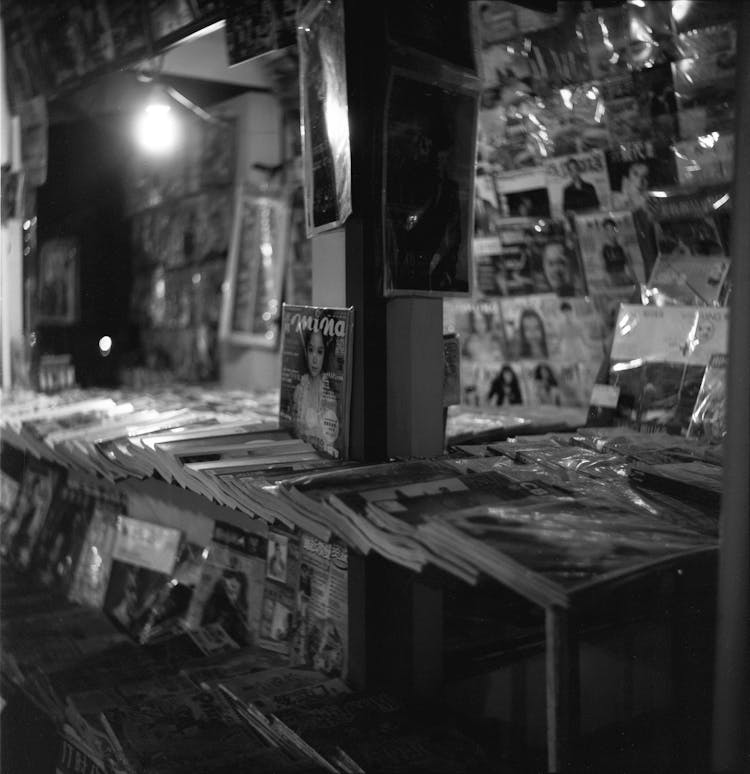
(156, 129)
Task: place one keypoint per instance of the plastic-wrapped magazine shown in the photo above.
(706, 159)
(658, 358)
(91, 574)
(695, 482)
(144, 556)
(704, 86)
(316, 374)
(709, 418)
(479, 327)
(21, 529)
(549, 550)
(61, 539)
(688, 279)
(230, 589)
(327, 173)
(577, 183)
(610, 252)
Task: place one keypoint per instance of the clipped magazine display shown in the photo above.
(709, 420)
(325, 115)
(658, 362)
(316, 368)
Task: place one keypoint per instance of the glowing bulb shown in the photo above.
(680, 9)
(105, 346)
(156, 129)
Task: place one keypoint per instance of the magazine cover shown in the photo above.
(626, 120)
(670, 334)
(451, 369)
(544, 326)
(709, 419)
(316, 373)
(428, 187)
(23, 525)
(527, 257)
(144, 556)
(634, 168)
(478, 324)
(61, 538)
(255, 269)
(659, 356)
(91, 574)
(230, 589)
(58, 282)
(705, 91)
(706, 159)
(322, 75)
(606, 32)
(578, 183)
(282, 571)
(523, 193)
(656, 93)
(553, 383)
(683, 230)
(496, 384)
(321, 618)
(694, 280)
(167, 613)
(610, 252)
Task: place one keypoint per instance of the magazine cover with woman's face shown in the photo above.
(316, 376)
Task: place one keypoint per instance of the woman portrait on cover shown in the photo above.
(547, 388)
(228, 605)
(532, 338)
(314, 407)
(505, 390)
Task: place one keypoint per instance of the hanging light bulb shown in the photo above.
(156, 128)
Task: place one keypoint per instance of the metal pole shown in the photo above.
(730, 701)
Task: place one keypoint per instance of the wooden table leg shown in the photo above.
(563, 686)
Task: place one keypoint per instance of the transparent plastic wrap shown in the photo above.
(658, 359)
(627, 37)
(706, 159)
(692, 263)
(709, 420)
(610, 252)
(170, 606)
(704, 81)
(325, 115)
(144, 556)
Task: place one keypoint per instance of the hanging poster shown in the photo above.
(325, 115)
(250, 313)
(58, 282)
(428, 188)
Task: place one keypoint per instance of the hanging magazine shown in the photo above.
(325, 115)
(316, 373)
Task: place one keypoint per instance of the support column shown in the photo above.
(730, 741)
